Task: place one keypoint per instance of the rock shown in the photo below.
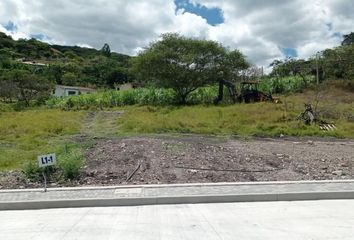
(310, 142)
(338, 173)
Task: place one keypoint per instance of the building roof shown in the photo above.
(75, 87)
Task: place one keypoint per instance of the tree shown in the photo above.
(6, 41)
(8, 90)
(28, 86)
(69, 79)
(106, 50)
(348, 39)
(338, 62)
(183, 64)
(118, 75)
(56, 72)
(232, 64)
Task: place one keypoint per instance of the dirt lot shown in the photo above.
(162, 159)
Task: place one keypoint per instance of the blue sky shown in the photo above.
(213, 16)
(10, 26)
(290, 52)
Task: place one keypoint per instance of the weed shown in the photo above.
(70, 164)
(32, 171)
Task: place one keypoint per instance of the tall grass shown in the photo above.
(290, 84)
(164, 97)
(141, 96)
(332, 104)
(259, 119)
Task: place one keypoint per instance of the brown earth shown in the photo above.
(188, 159)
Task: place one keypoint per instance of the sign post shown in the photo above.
(45, 161)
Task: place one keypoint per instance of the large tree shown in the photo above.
(185, 64)
(25, 85)
(106, 50)
(348, 39)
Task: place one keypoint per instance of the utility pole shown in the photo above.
(317, 71)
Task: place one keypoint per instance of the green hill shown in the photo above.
(71, 65)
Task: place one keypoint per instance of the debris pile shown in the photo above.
(310, 117)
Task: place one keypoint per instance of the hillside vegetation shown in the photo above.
(67, 65)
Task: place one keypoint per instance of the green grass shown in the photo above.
(259, 119)
(24, 135)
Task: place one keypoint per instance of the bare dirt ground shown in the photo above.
(200, 159)
(188, 159)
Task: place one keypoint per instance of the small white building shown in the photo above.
(63, 91)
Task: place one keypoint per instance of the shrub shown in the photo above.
(70, 164)
(32, 171)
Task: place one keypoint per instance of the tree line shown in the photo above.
(335, 63)
(176, 62)
(54, 64)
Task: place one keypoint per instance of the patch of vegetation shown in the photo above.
(141, 96)
(32, 171)
(25, 135)
(70, 162)
(289, 84)
(260, 119)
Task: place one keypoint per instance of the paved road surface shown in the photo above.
(325, 219)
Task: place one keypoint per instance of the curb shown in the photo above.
(177, 185)
(69, 203)
(180, 199)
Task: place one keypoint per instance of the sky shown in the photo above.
(263, 30)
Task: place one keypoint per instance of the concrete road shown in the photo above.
(326, 219)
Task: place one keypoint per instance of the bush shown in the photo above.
(70, 164)
(5, 107)
(32, 171)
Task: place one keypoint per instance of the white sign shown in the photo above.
(47, 160)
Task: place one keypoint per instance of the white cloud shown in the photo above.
(260, 29)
